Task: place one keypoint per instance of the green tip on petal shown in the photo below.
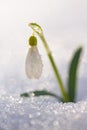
(32, 41)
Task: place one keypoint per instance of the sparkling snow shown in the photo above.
(41, 114)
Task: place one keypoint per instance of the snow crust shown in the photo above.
(41, 114)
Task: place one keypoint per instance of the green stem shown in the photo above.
(39, 31)
(59, 80)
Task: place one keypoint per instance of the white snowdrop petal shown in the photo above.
(33, 64)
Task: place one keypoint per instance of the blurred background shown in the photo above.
(65, 27)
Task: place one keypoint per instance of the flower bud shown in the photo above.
(33, 64)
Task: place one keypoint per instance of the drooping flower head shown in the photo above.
(33, 64)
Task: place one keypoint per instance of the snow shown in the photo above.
(41, 114)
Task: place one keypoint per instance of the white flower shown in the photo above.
(33, 64)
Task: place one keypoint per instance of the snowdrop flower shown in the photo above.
(33, 64)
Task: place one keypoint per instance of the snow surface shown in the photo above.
(41, 114)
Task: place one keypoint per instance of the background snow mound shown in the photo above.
(41, 113)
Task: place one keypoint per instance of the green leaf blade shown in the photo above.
(38, 93)
(72, 75)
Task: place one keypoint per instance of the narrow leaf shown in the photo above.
(72, 79)
(38, 93)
